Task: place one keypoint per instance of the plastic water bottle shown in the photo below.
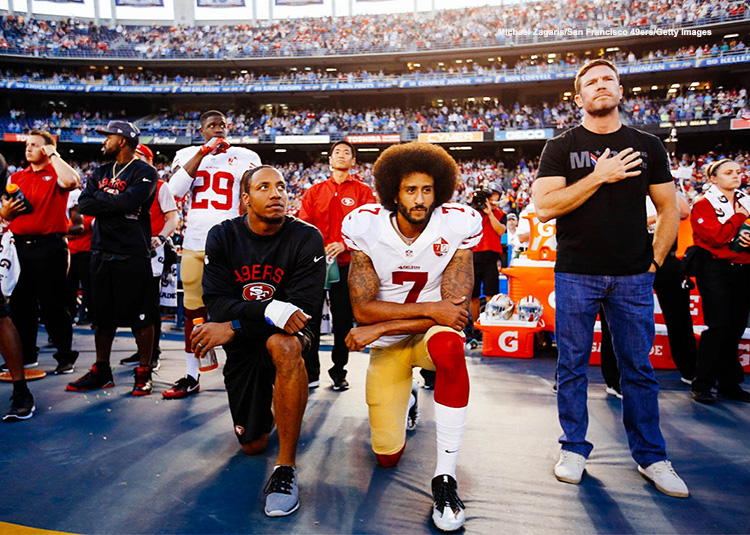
(734, 245)
(13, 192)
(207, 362)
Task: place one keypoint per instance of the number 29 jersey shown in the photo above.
(411, 273)
(215, 191)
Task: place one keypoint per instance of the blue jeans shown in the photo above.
(629, 307)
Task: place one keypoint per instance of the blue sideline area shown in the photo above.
(109, 463)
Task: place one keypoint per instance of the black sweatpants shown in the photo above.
(41, 290)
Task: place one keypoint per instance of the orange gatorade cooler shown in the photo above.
(513, 339)
(537, 278)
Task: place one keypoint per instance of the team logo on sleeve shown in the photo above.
(440, 247)
(239, 430)
(258, 291)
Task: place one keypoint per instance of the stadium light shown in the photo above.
(459, 148)
(675, 86)
(459, 61)
(509, 149)
(486, 98)
(280, 150)
(695, 84)
(490, 59)
(331, 69)
(552, 55)
(369, 149)
(613, 49)
(636, 89)
(654, 87)
(731, 35)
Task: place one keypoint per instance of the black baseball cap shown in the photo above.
(120, 128)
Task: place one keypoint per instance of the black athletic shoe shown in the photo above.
(65, 362)
(143, 385)
(736, 393)
(132, 359)
(703, 396)
(447, 509)
(340, 384)
(21, 407)
(100, 376)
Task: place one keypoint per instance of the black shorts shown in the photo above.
(485, 273)
(249, 375)
(121, 290)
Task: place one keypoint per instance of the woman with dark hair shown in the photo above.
(721, 263)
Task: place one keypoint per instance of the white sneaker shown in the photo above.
(613, 392)
(686, 381)
(569, 469)
(665, 478)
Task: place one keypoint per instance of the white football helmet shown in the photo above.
(500, 307)
(530, 309)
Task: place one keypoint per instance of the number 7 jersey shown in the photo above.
(411, 273)
(215, 191)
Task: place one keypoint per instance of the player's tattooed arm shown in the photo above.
(458, 278)
(364, 285)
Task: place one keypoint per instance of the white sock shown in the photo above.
(191, 365)
(449, 422)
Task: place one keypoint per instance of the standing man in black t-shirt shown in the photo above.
(594, 179)
(119, 195)
(261, 284)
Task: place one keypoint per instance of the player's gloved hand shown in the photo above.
(216, 145)
(278, 314)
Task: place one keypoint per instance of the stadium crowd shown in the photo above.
(533, 63)
(469, 115)
(468, 27)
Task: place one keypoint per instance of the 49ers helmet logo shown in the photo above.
(347, 201)
(258, 291)
(440, 247)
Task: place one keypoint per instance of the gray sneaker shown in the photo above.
(282, 493)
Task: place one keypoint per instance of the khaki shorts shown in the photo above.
(191, 273)
(388, 388)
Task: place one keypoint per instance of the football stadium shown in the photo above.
(360, 236)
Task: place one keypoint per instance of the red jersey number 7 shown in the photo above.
(419, 278)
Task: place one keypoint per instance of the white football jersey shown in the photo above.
(215, 191)
(411, 273)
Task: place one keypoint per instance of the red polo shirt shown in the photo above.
(48, 201)
(327, 203)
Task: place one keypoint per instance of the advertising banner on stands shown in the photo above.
(374, 138)
(19, 138)
(525, 135)
(297, 2)
(303, 140)
(452, 137)
(140, 3)
(221, 3)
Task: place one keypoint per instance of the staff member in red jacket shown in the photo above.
(722, 267)
(325, 205)
(43, 250)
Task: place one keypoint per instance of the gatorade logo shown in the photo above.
(508, 341)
